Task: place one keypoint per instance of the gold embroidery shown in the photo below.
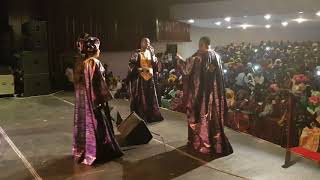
(146, 65)
(211, 67)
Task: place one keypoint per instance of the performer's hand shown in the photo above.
(179, 57)
(151, 49)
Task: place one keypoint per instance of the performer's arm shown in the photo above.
(186, 65)
(133, 67)
(100, 87)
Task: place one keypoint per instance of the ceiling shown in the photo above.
(238, 8)
(258, 21)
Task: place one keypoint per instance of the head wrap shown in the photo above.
(88, 45)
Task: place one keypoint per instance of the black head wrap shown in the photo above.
(88, 45)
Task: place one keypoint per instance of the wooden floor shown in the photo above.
(36, 142)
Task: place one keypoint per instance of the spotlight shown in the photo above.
(268, 26)
(285, 23)
(267, 16)
(300, 20)
(318, 13)
(228, 19)
(218, 23)
(229, 27)
(191, 21)
(268, 48)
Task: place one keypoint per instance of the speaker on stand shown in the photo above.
(34, 59)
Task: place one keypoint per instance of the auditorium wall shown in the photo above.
(118, 61)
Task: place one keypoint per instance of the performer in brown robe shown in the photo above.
(205, 101)
(142, 76)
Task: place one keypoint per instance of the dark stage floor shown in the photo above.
(36, 137)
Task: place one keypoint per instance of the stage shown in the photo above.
(36, 143)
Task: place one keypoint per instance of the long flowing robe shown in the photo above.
(143, 94)
(204, 96)
(93, 131)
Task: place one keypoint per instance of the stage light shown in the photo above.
(256, 50)
(268, 26)
(268, 48)
(191, 21)
(228, 19)
(218, 23)
(267, 16)
(300, 20)
(225, 71)
(285, 23)
(229, 27)
(318, 13)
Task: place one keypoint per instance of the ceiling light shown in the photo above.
(300, 12)
(245, 26)
(285, 23)
(218, 23)
(267, 16)
(318, 13)
(228, 19)
(191, 21)
(256, 50)
(229, 27)
(300, 20)
(268, 26)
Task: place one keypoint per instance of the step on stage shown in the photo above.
(36, 143)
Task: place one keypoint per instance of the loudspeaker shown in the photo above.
(134, 131)
(32, 43)
(35, 35)
(35, 62)
(36, 84)
(34, 28)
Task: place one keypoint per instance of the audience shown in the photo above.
(255, 74)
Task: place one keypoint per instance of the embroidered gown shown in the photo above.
(142, 78)
(94, 139)
(204, 96)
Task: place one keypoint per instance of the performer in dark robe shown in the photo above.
(142, 77)
(205, 101)
(94, 139)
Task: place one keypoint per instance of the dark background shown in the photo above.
(120, 24)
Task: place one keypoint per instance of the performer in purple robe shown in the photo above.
(142, 76)
(94, 139)
(205, 101)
